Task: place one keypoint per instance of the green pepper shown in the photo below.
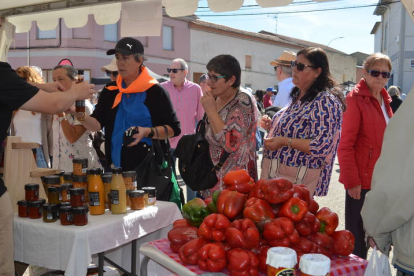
(195, 211)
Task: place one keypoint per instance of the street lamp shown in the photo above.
(333, 40)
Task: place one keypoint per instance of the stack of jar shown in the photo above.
(31, 206)
(79, 176)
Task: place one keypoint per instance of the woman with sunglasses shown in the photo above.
(111, 70)
(231, 120)
(367, 115)
(303, 136)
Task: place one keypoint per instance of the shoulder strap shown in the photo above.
(221, 162)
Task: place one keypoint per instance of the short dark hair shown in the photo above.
(226, 65)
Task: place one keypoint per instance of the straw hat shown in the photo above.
(284, 59)
(110, 67)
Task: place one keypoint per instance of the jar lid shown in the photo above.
(53, 189)
(79, 178)
(107, 177)
(148, 189)
(80, 210)
(31, 186)
(129, 174)
(315, 264)
(136, 193)
(77, 191)
(65, 204)
(22, 203)
(51, 179)
(95, 171)
(37, 203)
(67, 176)
(281, 257)
(65, 209)
(80, 160)
(50, 207)
(42, 200)
(117, 170)
(66, 186)
(61, 173)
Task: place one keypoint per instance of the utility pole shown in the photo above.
(275, 18)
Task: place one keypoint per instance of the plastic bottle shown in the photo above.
(118, 192)
(96, 192)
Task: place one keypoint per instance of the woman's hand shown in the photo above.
(265, 122)
(371, 242)
(275, 143)
(355, 192)
(142, 133)
(208, 102)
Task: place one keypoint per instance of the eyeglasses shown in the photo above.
(175, 71)
(376, 73)
(301, 66)
(214, 79)
(114, 73)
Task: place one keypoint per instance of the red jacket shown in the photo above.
(361, 137)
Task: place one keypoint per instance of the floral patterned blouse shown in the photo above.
(64, 152)
(238, 138)
(319, 120)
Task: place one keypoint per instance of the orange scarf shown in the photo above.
(140, 84)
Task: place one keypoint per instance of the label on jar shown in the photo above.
(84, 170)
(60, 196)
(94, 199)
(151, 199)
(37, 193)
(115, 197)
(69, 217)
(134, 184)
(80, 103)
(50, 215)
(286, 272)
(68, 196)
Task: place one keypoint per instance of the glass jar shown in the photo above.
(66, 215)
(54, 194)
(50, 212)
(137, 199)
(128, 200)
(31, 192)
(23, 208)
(80, 181)
(106, 179)
(130, 180)
(281, 261)
(80, 165)
(77, 197)
(67, 177)
(314, 265)
(80, 215)
(65, 191)
(61, 176)
(35, 209)
(150, 195)
(50, 180)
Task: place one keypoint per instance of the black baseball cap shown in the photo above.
(127, 46)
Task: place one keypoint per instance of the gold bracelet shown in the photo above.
(289, 143)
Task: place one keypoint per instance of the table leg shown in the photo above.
(100, 264)
(143, 269)
(134, 258)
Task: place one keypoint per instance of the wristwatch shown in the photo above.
(61, 118)
(151, 133)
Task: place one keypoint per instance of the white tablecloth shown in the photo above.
(69, 248)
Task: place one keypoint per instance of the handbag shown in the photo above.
(194, 160)
(378, 265)
(156, 171)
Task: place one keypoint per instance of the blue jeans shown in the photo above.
(40, 158)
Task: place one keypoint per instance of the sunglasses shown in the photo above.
(175, 71)
(301, 66)
(214, 79)
(275, 67)
(375, 74)
(114, 73)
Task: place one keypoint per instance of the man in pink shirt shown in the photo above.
(185, 97)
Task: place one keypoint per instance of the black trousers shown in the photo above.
(353, 223)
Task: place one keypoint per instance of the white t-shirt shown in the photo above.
(27, 126)
(283, 95)
(384, 111)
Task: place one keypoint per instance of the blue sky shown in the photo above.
(354, 25)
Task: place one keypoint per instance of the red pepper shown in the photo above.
(258, 210)
(262, 257)
(180, 223)
(211, 202)
(313, 206)
(280, 232)
(180, 236)
(329, 220)
(308, 225)
(230, 203)
(302, 192)
(239, 180)
(277, 190)
(344, 242)
(242, 263)
(324, 244)
(294, 209)
(242, 233)
(256, 190)
(212, 257)
(188, 252)
(213, 227)
(305, 246)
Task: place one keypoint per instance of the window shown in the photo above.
(143, 40)
(111, 32)
(167, 38)
(248, 64)
(82, 33)
(46, 34)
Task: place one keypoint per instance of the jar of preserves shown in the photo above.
(31, 192)
(50, 180)
(35, 209)
(128, 200)
(65, 191)
(61, 176)
(23, 208)
(150, 195)
(54, 197)
(281, 261)
(314, 265)
(65, 215)
(80, 165)
(96, 192)
(130, 180)
(80, 215)
(80, 181)
(67, 177)
(106, 179)
(77, 197)
(118, 192)
(50, 212)
(137, 199)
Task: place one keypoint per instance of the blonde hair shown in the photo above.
(29, 74)
(394, 91)
(374, 58)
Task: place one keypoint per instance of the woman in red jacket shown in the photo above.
(368, 112)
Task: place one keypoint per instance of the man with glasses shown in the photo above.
(185, 97)
(111, 70)
(283, 71)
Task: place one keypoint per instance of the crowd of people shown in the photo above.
(302, 126)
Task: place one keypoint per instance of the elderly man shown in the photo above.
(283, 71)
(185, 96)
